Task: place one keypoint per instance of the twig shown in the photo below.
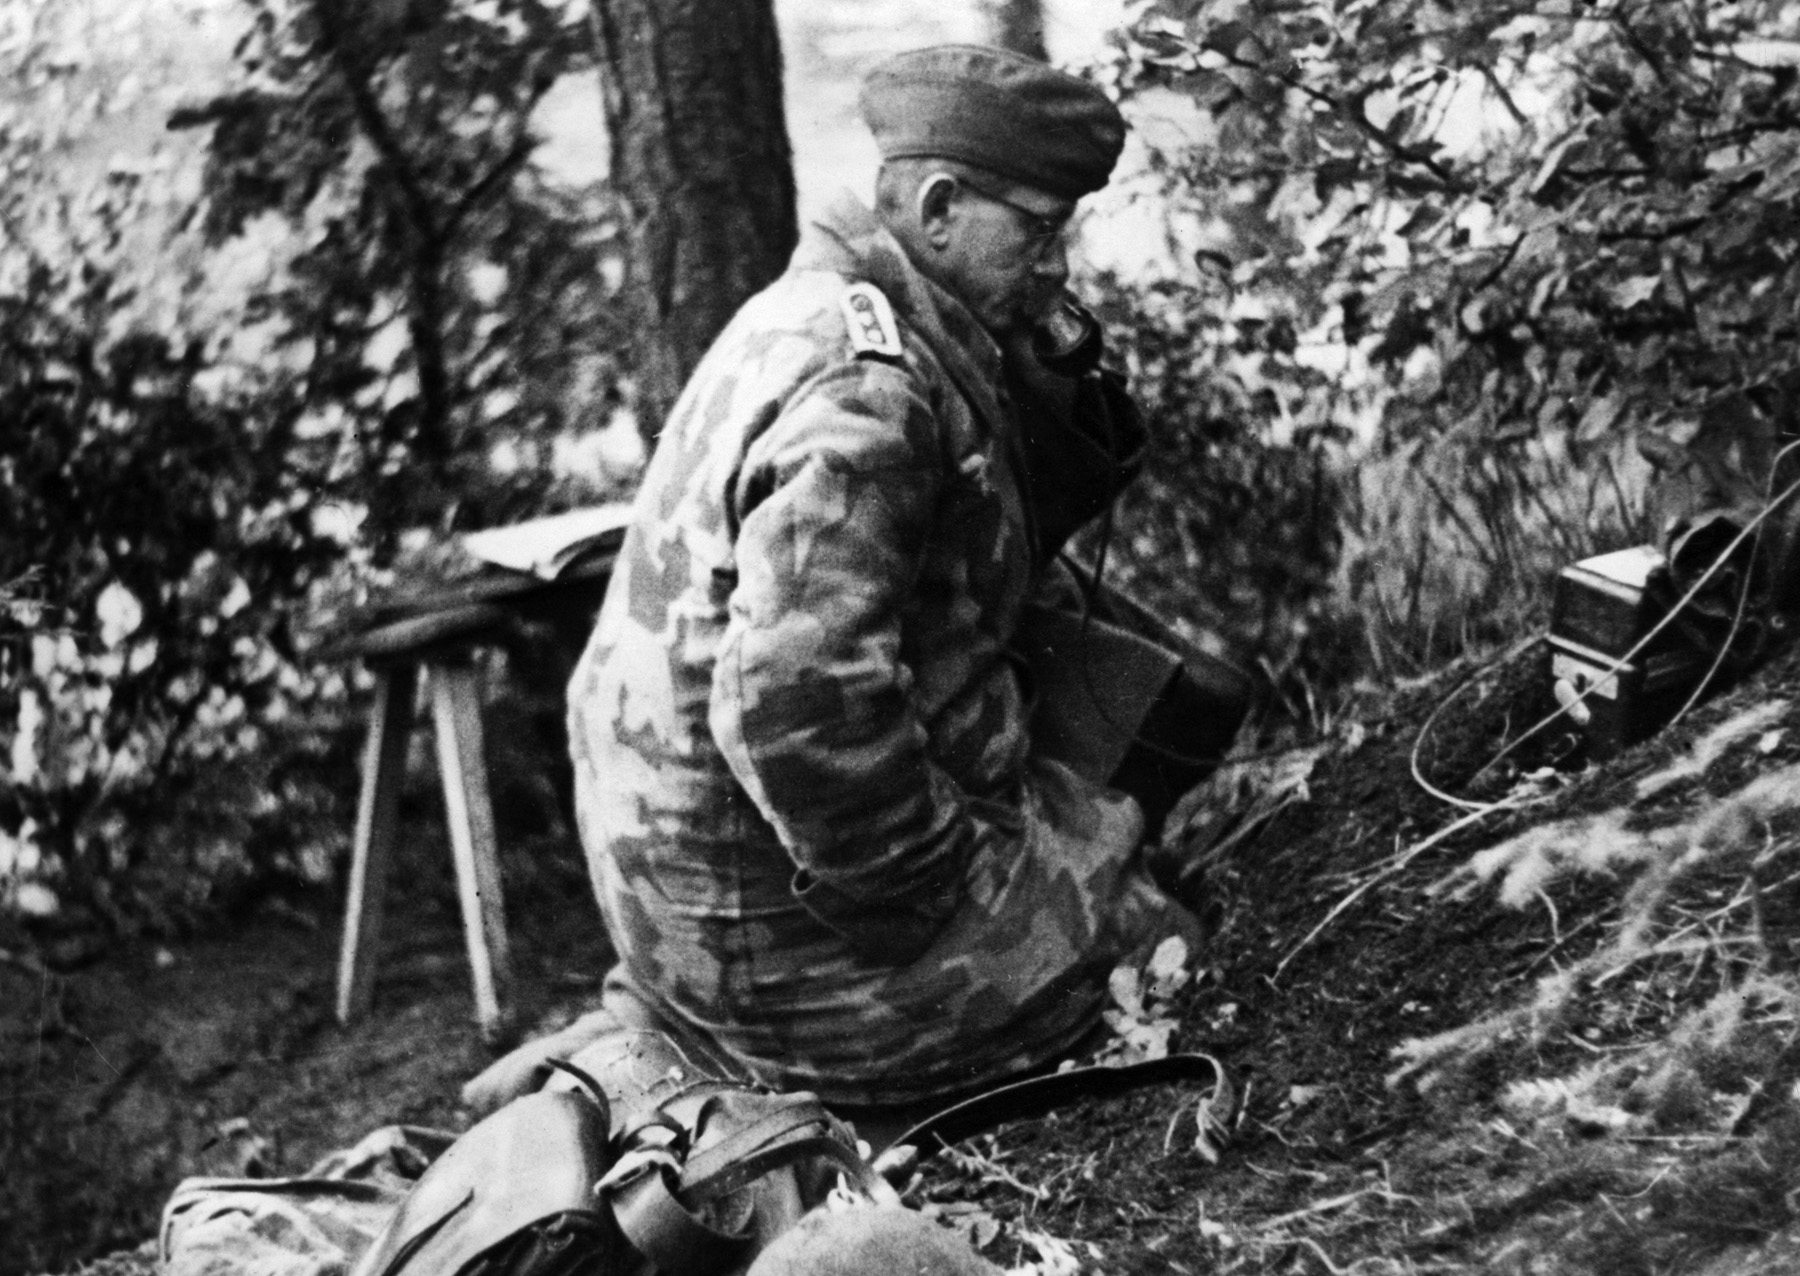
(1448, 181)
(355, 72)
(96, 1049)
(1477, 542)
(503, 168)
(1319, 1253)
(1557, 943)
(989, 1168)
(1507, 257)
(1506, 99)
(1392, 866)
(1319, 1207)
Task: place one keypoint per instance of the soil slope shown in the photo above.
(1643, 1123)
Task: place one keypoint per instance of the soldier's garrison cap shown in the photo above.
(1000, 111)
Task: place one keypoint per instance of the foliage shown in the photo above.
(1520, 252)
(143, 669)
(1234, 530)
(229, 415)
(448, 302)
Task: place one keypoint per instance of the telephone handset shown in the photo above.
(1068, 340)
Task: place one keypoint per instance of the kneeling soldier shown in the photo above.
(825, 845)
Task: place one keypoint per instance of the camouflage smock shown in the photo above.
(804, 782)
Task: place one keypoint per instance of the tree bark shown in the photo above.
(691, 91)
(1019, 26)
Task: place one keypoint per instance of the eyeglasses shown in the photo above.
(1042, 233)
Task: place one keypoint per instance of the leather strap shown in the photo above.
(798, 1127)
(656, 1223)
(1039, 1095)
(660, 1213)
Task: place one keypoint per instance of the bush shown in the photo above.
(152, 666)
(1475, 277)
(1235, 528)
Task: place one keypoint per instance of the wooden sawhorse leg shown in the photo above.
(456, 715)
(377, 820)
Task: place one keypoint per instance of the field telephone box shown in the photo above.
(1616, 687)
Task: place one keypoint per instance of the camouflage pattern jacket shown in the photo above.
(805, 785)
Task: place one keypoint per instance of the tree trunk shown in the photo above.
(701, 164)
(1019, 26)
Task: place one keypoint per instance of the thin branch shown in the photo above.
(355, 74)
(1449, 181)
(503, 168)
(1644, 51)
(1741, 133)
(1506, 100)
(508, 164)
(1387, 869)
(1507, 258)
(1731, 57)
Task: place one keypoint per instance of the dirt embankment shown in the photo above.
(125, 1071)
(1600, 1080)
(1636, 1116)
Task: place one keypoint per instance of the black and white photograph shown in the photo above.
(916, 637)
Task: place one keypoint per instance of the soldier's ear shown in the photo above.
(936, 204)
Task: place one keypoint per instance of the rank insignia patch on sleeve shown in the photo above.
(873, 331)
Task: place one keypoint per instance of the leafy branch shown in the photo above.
(1353, 112)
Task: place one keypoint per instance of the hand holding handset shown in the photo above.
(1068, 341)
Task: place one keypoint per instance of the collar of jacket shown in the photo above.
(848, 240)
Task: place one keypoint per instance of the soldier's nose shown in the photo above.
(1053, 264)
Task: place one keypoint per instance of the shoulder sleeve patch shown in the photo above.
(874, 334)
